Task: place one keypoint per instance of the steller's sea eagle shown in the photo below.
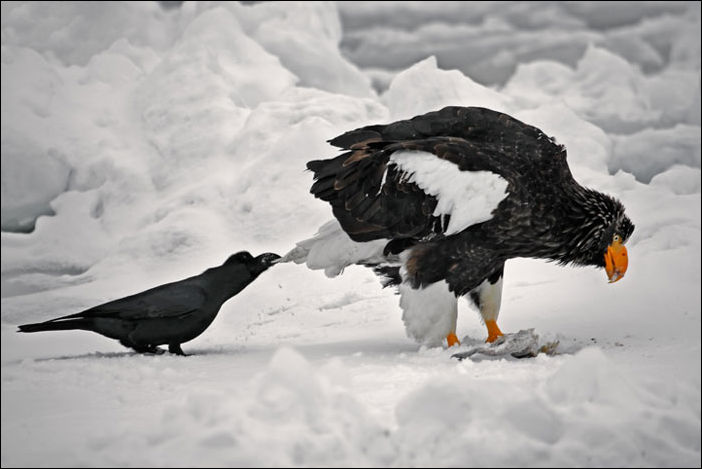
(438, 203)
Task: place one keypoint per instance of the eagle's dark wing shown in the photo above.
(474, 124)
(376, 189)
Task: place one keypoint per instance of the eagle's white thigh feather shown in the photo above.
(490, 299)
(429, 313)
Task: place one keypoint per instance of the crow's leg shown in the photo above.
(175, 348)
(142, 348)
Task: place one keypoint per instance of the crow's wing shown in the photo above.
(171, 300)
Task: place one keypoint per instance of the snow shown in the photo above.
(141, 145)
(487, 42)
(447, 88)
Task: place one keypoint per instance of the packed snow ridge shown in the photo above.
(141, 145)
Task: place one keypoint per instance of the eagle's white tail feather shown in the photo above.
(331, 249)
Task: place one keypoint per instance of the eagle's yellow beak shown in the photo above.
(616, 261)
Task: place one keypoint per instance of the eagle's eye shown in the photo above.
(617, 239)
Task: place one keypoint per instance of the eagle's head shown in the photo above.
(597, 233)
(614, 256)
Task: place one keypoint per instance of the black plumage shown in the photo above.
(172, 313)
(545, 213)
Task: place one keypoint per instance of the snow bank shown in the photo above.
(25, 165)
(294, 411)
(474, 421)
(144, 145)
(488, 41)
(431, 88)
(74, 33)
(652, 151)
(168, 131)
(609, 91)
(306, 37)
(301, 414)
(679, 179)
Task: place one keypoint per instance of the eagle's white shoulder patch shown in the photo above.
(469, 197)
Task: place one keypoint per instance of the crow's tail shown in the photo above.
(57, 325)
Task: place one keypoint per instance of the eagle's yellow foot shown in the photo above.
(493, 331)
(452, 340)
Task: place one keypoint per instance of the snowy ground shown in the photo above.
(142, 145)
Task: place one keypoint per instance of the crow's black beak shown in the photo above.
(268, 258)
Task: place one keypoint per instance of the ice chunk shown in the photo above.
(679, 179)
(31, 178)
(653, 151)
(432, 88)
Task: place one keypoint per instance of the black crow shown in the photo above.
(168, 314)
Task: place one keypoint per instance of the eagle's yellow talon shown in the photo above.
(452, 340)
(493, 331)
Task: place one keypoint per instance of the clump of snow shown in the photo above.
(679, 179)
(306, 39)
(609, 91)
(489, 40)
(452, 423)
(215, 68)
(27, 166)
(308, 419)
(145, 145)
(652, 151)
(431, 88)
(73, 33)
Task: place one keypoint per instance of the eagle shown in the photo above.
(438, 203)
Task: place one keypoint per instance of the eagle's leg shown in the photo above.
(487, 297)
(452, 339)
(429, 313)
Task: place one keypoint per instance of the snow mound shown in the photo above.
(24, 165)
(610, 92)
(449, 423)
(289, 407)
(679, 179)
(432, 88)
(144, 145)
(652, 151)
(488, 41)
(306, 39)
